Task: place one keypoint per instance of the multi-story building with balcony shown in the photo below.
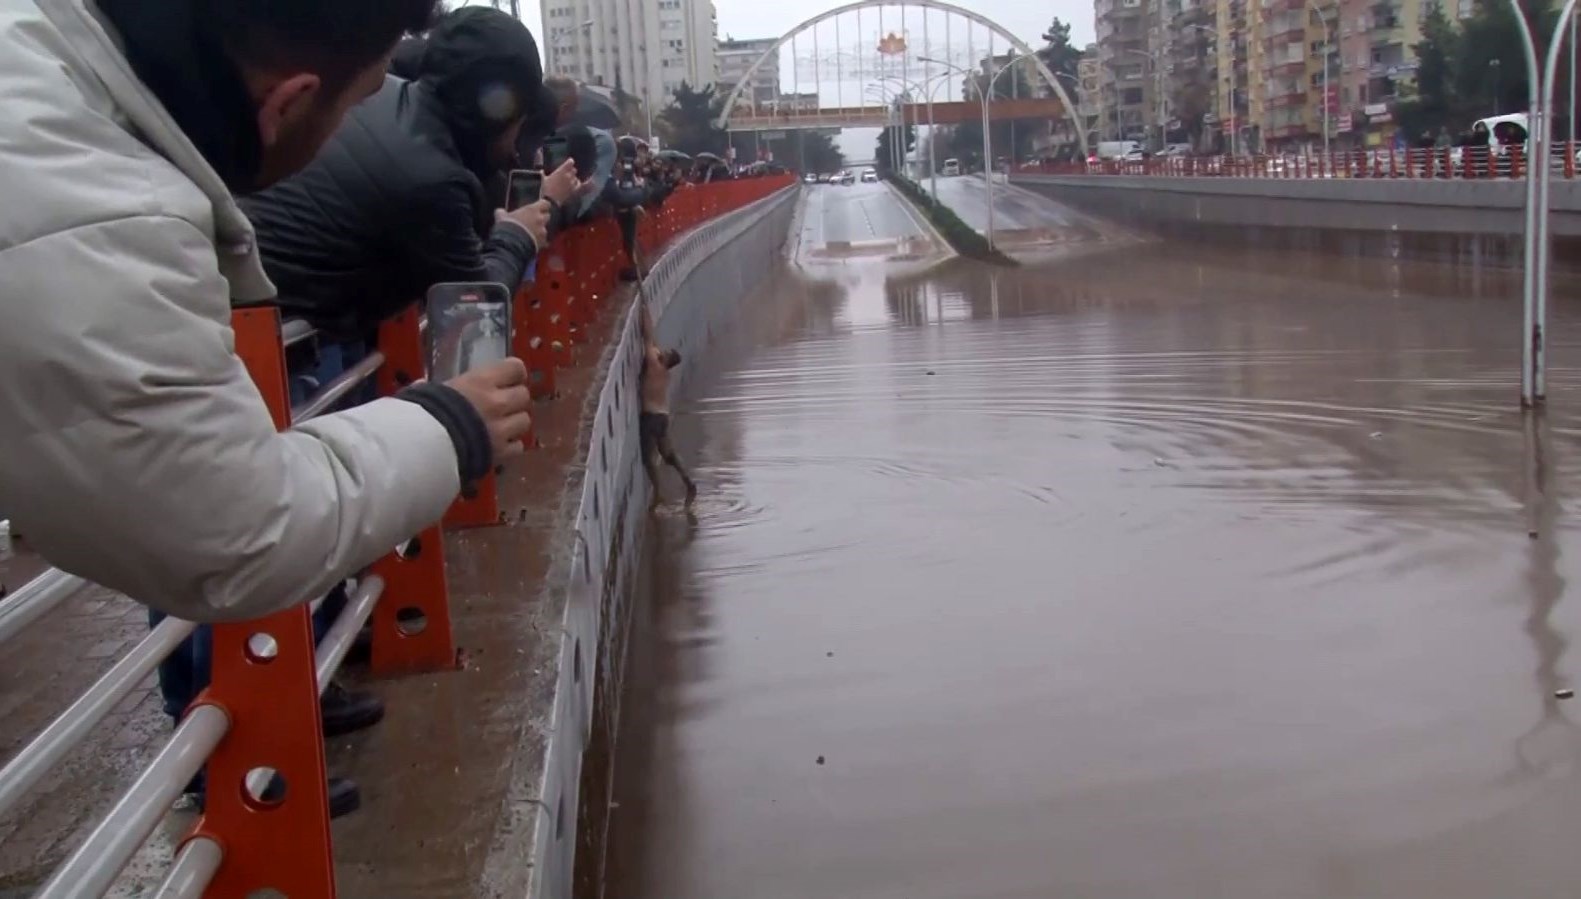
(736, 57)
(1192, 63)
(1127, 80)
(647, 48)
(1323, 53)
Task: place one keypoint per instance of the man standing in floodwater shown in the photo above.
(654, 423)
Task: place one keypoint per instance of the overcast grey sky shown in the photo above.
(771, 18)
(747, 19)
(1024, 19)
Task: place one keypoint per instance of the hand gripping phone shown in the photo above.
(469, 325)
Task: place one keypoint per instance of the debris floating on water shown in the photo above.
(820, 760)
(1565, 693)
(1376, 435)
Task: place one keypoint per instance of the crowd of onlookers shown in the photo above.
(167, 160)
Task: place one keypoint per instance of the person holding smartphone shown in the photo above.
(137, 451)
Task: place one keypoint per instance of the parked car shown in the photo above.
(952, 167)
(809, 178)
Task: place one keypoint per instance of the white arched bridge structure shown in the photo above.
(872, 62)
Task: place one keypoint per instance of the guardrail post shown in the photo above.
(411, 624)
(264, 678)
(530, 347)
(401, 341)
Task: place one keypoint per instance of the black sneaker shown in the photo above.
(346, 712)
(345, 796)
(361, 651)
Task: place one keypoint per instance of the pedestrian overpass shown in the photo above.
(874, 64)
(954, 112)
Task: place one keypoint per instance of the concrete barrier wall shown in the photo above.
(694, 285)
(1472, 222)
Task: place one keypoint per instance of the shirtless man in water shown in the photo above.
(654, 383)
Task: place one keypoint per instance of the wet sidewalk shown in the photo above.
(448, 778)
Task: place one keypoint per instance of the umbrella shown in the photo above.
(675, 156)
(596, 107)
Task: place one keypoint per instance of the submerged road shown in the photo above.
(1160, 572)
(855, 213)
(1021, 218)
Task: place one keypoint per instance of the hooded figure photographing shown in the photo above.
(399, 199)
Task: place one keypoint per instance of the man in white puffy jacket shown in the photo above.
(134, 449)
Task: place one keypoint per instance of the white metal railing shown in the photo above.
(94, 866)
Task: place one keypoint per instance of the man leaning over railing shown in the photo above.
(397, 201)
(135, 449)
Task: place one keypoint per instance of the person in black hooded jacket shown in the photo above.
(396, 202)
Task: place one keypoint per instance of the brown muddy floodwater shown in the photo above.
(1150, 573)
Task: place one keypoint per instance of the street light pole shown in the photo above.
(1328, 46)
(1496, 66)
(984, 96)
(889, 116)
(923, 88)
(1158, 92)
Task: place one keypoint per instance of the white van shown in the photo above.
(1125, 150)
(952, 167)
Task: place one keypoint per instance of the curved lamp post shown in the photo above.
(984, 96)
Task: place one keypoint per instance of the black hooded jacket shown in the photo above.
(396, 203)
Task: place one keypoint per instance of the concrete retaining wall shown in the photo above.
(695, 284)
(1464, 222)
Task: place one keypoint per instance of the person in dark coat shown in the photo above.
(396, 202)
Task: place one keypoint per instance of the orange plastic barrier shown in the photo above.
(271, 700)
(411, 625)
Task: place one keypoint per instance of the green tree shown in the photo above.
(1057, 52)
(1493, 33)
(966, 139)
(1439, 46)
(881, 153)
(688, 123)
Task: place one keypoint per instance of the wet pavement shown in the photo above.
(1154, 572)
(449, 779)
(1022, 219)
(861, 220)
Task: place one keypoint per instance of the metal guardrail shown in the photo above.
(35, 599)
(688, 289)
(1441, 164)
(93, 867)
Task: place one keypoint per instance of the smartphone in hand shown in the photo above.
(525, 188)
(556, 150)
(469, 325)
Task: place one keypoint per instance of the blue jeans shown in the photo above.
(185, 673)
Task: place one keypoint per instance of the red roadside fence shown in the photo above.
(257, 726)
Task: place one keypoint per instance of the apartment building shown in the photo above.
(1127, 82)
(645, 47)
(1192, 65)
(735, 57)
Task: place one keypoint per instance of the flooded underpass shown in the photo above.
(1149, 571)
